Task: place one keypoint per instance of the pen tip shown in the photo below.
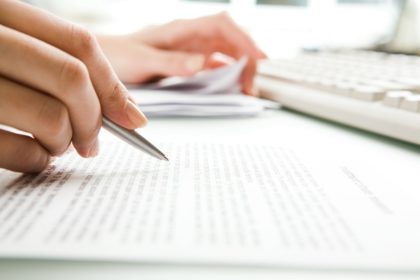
(165, 158)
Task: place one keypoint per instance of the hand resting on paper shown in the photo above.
(181, 48)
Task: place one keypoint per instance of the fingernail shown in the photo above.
(137, 118)
(94, 150)
(194, 63)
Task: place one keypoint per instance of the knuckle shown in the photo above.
(224, 22)
(84, 42)
(56, 123)
(73, 73)
(176, 26)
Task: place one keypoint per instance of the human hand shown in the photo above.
(181, 47)
(55, 84)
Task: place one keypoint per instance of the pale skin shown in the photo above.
(57, 80)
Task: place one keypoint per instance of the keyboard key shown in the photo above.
(387, 85)
(368, 93)
(411, 103)
(394, 98)
(326, 83)
(407, 81)
(344, 88)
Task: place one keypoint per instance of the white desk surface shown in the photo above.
(282, 127)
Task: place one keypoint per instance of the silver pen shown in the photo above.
(133, 138)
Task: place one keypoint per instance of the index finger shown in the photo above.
(81, 44)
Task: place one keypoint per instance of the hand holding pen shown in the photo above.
(56, 84)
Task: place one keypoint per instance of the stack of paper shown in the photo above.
(210, 93)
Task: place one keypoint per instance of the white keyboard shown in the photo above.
(369, 90)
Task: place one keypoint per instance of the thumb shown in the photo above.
(176, 63)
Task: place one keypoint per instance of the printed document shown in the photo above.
(213, 203)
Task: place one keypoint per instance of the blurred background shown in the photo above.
(279, 26)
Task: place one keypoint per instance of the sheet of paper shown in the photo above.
(221, 80)
(158, 103)
(210, 93)
(213, 203)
